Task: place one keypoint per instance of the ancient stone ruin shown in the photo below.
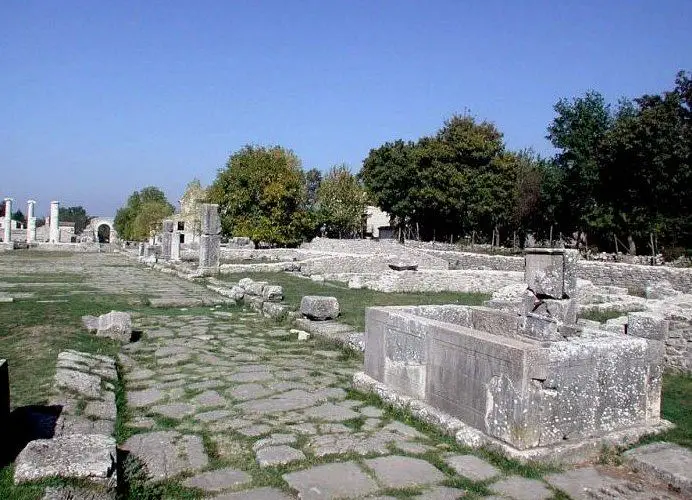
(532, 382)
(210, 241)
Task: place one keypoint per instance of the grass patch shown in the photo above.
(354, 302)
(601, 316)
(676, 407)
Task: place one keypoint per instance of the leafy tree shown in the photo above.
(454, 182)
(341, 203)
(389, 175)
(19, 216)
(142, 214)
(577, 132)
(77, 215)
(261, 194)
(313, 179)
(646, 166)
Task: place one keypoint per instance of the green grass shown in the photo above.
(602, 316)
(354, 302)
(676, 406)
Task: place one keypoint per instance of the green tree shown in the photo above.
(142, 214)
(646, 166)
(261, 194)
(577, 132)
(19, 216)
(77, 215)
(455, 182)
(313, 179)
(341, 203)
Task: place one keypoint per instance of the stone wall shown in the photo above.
(438, 281)
(678, 344)
(600, 273)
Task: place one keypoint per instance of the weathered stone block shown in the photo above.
(273, 293)
(253, 301)
(647, 325)
(564, 310)
(76, 456)
(256, 288)
(274, 310)
(211, 222)
(539, 327)
(175, 247)
(319, 307)
(551, 272)
(245, 282)
(166, 241)
(209, 251)
(524, 393)
(116, 325)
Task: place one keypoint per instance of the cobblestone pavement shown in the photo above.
(229, 405)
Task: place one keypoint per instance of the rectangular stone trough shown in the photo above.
(472, 364)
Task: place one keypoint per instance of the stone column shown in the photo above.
(175, 246)
(550, 310)
(30, 222)
(141, 249)
(7, 237)
(167, 239)
(54, 232)
(4, 400)
(210, 240)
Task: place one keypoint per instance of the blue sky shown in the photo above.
(99, 99)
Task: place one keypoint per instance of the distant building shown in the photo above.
(376, 220)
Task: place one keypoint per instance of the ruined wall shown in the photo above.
(600, 273)
(463, 281)
(678, 344)
(633, 275)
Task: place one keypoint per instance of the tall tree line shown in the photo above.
(621, 174)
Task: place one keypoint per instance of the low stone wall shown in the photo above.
(633, 275)
(600, 273)
(678, 356)
(438, 281)
(82, 447)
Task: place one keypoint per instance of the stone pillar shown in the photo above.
(175, 246)
(30, 222)
(54, 230)
(550, 310)
(4, 401)
(141, 249)
(210, 240)
(167, 239)
(7, 237)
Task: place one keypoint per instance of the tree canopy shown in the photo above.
(142, 214)
(77, 215)
(262, 195)
(340, 203)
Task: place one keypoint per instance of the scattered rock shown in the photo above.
(319, 308)
(218, 480)
(270, 456)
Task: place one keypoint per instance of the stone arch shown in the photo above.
(102, 226)
(103, 233)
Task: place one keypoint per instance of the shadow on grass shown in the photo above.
(27, 423)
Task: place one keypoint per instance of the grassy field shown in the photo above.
(354, 302)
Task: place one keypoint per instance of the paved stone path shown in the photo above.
(234, 406)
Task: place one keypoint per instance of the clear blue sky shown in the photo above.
(98, 99)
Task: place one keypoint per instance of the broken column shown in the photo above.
(549, 305)
(7, 237)
(30, 222)
(4, 399)
(54, 230)
(175, 246)
(166, 239)
(210, 240)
